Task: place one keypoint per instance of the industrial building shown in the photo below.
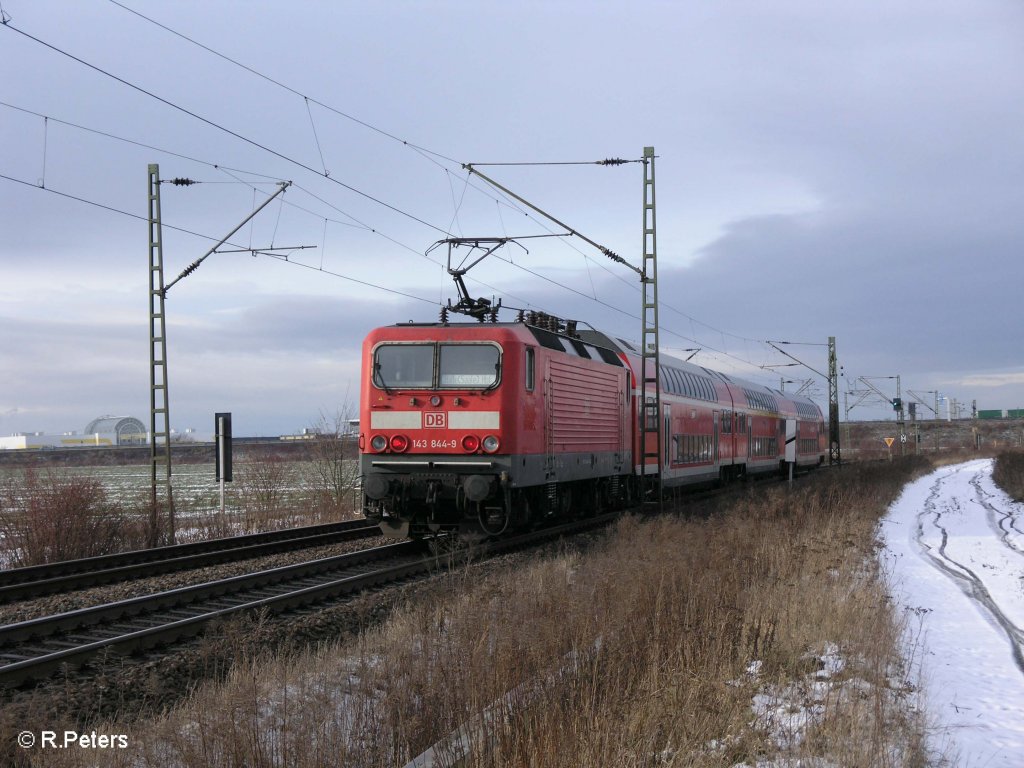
(105, 430)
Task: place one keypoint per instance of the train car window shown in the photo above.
(404, 366)
(651, 415)
(726, 422)
(531, 375)
(468, 365)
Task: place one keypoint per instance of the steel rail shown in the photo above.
(35, 649)
(68, 575)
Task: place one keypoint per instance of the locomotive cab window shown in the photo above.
(531, 375)
(404, 366)
(434, 366)
(469, 365)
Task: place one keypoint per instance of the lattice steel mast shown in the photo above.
(833, 404)
(833, 393)
(650, 367)
(649, 374)
(159, 416)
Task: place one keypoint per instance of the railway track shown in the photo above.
(34, 649)
(36, 581)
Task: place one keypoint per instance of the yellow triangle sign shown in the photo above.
(889, 441)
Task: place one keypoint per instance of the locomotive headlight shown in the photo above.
(470, 443)
(490, 444)
(379, 443)
(435, 400)
(399, 443)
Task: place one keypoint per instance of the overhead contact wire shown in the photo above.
(288, 88)
(207, 237)
(224, 129)
(324, 174)
(422, 150)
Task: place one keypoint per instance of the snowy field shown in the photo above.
(954, 552)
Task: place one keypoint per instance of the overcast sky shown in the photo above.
(847, 169)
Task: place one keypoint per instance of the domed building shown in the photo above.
(104, 431)
(127, 430)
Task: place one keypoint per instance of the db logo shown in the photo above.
(435, 420)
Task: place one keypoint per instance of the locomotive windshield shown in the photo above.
(398, 366)
(436, 366)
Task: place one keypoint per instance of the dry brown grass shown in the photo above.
(634, 652)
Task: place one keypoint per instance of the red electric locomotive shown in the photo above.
(481, 428)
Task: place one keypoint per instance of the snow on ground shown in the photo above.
(954, 552)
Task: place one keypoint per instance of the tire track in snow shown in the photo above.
(929, 520)
(1003, 521)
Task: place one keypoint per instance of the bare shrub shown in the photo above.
(1009, 473)
(331, 471)
(261, 487)
(50, 517)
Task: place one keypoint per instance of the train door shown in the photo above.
(727, 449)
(714, 431)
(650, 436)
(666, 442)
